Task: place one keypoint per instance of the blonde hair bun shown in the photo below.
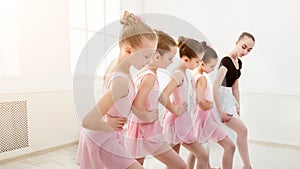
(128, 18)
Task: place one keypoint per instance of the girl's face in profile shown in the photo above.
(140, 56)
(167, 58)
(193, 62)
(210, 66)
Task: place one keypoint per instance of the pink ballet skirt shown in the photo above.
(207, 128)
(99, 149)
(179, 129)
(146, 138)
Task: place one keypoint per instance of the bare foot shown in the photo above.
(247, 167)
(214, 168)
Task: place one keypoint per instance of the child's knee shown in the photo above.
(202, 156)
(182, 165)
(230, 148)
(206, 156)
(177, 163)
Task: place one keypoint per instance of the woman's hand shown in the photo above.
(225, 117)
(117, 123)
(238, 109)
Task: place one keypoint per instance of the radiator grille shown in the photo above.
(13, 126)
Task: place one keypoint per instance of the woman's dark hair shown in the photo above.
(246, 34)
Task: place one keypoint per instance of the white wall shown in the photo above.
(273, 24)
(272, 118)
(45, 80)
(44, 47)
(270, 80)
(135, 6)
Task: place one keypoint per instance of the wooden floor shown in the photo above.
(263, 156)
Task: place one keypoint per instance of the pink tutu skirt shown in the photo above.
(101, 150)
(207, 129)
(178, 129)
(145, 139)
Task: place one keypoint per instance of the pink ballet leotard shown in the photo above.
(145, 138)
(99, 149)
(179, 129)
(207, 129)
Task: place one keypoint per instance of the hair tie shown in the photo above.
(138, 18)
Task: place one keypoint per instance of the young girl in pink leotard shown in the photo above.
(207, 129)
(147, 138)
(100, 145)
(177, 123)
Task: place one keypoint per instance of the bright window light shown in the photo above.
(87, 17)
(9, 41)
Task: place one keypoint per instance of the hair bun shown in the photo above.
(204, 45)
(128, 18)
(181, 41)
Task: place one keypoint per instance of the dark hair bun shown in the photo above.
(181, 41)
(204, 44)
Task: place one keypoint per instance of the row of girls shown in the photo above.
(101, 143)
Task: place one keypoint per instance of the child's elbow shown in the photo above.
(84, 123)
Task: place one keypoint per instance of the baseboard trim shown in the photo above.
(45, 151)
(277, 145)
(36, 153)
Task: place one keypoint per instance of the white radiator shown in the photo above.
(13, 125)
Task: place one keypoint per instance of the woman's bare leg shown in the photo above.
(242, 141)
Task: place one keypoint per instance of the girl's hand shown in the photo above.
(152, 116)
(117, 123)
(238, 109)
(145, 116)
(205, 104)
(225, 117)
(181, 108)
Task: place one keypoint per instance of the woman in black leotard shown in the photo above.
(227, 96)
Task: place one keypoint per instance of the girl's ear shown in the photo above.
(128, 50)
(157, 55)
(185, 58)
